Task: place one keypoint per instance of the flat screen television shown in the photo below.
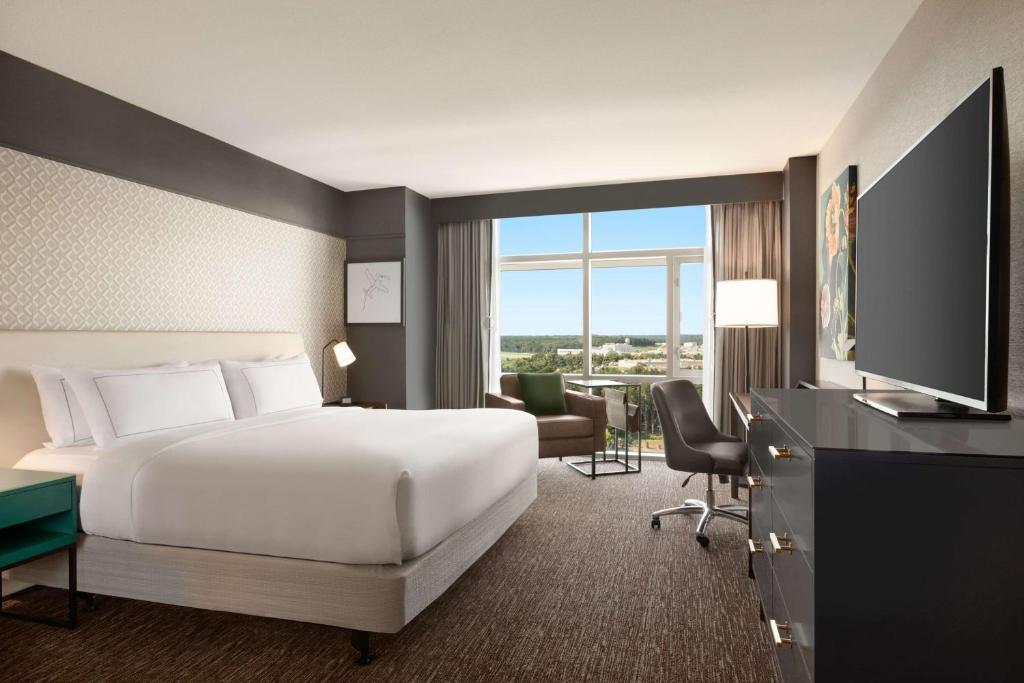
(933, 264)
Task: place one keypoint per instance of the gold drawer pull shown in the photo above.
(781, 640)
(780, 453)
(780, 544)
(755, 482)
(755, 546)
(751, 417)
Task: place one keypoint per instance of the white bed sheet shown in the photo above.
(335, 484)
(74, 460)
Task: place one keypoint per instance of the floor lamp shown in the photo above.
(746, 304)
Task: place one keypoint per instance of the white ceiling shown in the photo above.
(455, 97)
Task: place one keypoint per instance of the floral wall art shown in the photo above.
(837, 267)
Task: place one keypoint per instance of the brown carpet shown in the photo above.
(580, 588)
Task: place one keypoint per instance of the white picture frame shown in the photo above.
(374, 292)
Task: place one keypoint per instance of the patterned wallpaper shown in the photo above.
(80, 250)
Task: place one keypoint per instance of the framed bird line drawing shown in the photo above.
(374, 293)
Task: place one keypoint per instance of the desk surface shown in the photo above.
(741, 404)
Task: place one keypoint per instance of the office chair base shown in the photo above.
(707, 510)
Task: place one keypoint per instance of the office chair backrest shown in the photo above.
(684, 421)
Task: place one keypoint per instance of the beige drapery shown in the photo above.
(747, 244)
(464, 271)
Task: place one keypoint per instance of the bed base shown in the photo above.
(365, 598)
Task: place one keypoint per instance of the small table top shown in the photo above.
(599, 383)
(22, 480)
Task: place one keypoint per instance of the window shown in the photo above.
(541, 321)
(678, 226)
(541, 235)
(628, 308)
(691, 316)
(617, 294)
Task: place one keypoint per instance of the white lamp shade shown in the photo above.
(747, 303)
(344, 354)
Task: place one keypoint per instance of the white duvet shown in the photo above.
(334, 484)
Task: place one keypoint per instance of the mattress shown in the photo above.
(71, 460)
(340, 485)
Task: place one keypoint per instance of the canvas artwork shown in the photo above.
(373, 292)
(837, 267)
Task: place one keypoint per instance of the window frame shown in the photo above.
(588, 259)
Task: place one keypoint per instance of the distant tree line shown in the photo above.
(550, 343)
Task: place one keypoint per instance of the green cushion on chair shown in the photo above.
(542, 393)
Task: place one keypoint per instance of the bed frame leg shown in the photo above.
(361, 642)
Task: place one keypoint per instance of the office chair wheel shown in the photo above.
(703, 540)
(655, 522)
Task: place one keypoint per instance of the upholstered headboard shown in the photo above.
(21, 420)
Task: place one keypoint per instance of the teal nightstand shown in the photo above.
(38, 517)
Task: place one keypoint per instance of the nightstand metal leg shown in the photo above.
(73, 587)
(72, 620)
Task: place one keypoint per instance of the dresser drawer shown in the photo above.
(19, 507)
(761, 435)
(788, 654)
(794, 587)
(792, 486)
(760, 526)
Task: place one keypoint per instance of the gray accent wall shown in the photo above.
(420, 302)
(376, 226)
(660, 193)
(946, 50)
(799, 331)
(51, 116)
(395, 363)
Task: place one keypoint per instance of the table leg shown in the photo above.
(72, 587)
(640, 444)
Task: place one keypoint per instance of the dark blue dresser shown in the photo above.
(886, 550)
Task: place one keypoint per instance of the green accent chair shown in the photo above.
(580, 431)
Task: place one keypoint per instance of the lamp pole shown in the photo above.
(323, 354)
(746, 351)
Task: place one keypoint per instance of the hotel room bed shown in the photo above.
(340, 516)
(332, 484)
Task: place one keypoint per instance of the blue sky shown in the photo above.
(624, 300)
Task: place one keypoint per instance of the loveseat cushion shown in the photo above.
(563, 426)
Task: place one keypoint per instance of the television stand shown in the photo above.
(912, 405)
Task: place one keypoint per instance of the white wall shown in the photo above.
(945, 51)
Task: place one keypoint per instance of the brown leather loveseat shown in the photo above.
(579, 432)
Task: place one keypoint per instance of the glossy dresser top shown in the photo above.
(831, 419)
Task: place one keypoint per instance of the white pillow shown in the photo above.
(271, 386)
(134, 402)
(65, 421)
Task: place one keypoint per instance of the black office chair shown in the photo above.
(693, 444)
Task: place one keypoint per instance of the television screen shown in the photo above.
(923, 262)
